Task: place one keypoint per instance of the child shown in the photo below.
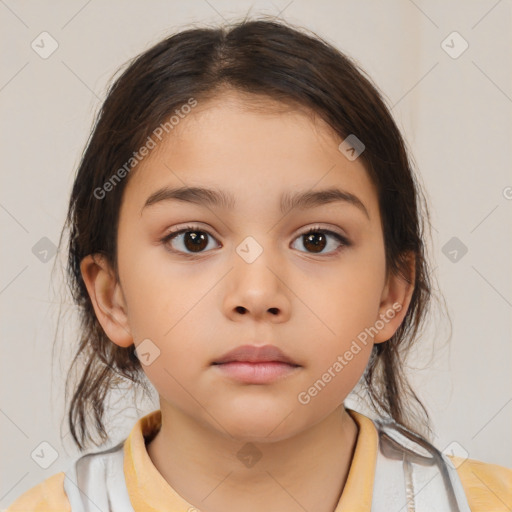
(245, 232)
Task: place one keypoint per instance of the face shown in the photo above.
(245, 272)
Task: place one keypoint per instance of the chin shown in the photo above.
(259, 427)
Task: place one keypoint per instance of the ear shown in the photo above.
(395, 300)
(107, 298)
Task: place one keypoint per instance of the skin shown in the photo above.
(310, 305)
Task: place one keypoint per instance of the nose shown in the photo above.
(257, 290)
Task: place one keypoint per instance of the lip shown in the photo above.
(256, 354)
(256, 373)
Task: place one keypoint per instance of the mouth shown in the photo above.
(253, 364)
(262, 362)
(256, 355)
(262, 372)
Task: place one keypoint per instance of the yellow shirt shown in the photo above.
(488, 487)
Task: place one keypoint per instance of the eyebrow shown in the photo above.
(219, 198)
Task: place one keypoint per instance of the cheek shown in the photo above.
(169, 305)
(343, 308)
(347, 299)
(158, 292)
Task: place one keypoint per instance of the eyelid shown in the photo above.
(190, 226)
(198, 227)
(318, 227)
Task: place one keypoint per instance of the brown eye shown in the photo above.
(316, 240)
(190, 240)
(195, 241)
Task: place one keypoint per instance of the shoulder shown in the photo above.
(487, 486)
(47, 496)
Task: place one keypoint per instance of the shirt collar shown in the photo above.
(150, 492)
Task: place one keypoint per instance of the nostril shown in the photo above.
(240, 309)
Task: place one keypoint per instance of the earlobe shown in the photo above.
(107, 299)
(395, 301)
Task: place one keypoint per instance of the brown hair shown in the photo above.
(284, 63)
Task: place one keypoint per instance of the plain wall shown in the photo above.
(455, 114)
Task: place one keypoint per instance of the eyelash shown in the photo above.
(315, 229)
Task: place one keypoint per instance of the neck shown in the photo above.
(215, 472)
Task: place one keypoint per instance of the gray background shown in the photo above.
(454, 110)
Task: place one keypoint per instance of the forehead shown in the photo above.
(255, 151)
